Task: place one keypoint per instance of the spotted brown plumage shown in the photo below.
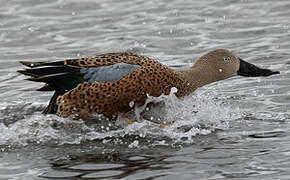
(111, 98)
(113, 83)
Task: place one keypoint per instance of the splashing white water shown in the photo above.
(196, 114)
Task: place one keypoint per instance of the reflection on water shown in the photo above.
(236, 128)
(101, 166)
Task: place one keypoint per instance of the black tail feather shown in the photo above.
(37, 64)
(50, 79)
(52, 106)
(63, 81)
(57, 77)
(37, 72)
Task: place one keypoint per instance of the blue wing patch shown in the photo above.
(108, 73)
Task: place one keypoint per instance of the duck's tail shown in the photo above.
(57, 77)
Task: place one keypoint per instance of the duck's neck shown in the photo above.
(196, 77)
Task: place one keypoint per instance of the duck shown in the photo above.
(112, 84)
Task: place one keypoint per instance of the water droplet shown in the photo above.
(134, 144)
(175, 12)
(131, 104)
(173, 90)
(30, 29)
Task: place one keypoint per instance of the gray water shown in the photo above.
(234, 129)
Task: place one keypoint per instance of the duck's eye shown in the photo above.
(227, 58)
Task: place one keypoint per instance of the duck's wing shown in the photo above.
(63, 76)
(107, 73)
(66, 75)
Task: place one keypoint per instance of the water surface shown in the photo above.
(234, 129)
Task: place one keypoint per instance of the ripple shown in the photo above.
(103, 174)
(90, 167)
(60, 174)
(236, 128)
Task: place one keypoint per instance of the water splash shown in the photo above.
(199, 113)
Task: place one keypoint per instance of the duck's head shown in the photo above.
(224, 64)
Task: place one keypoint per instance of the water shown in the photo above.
(234, 129)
